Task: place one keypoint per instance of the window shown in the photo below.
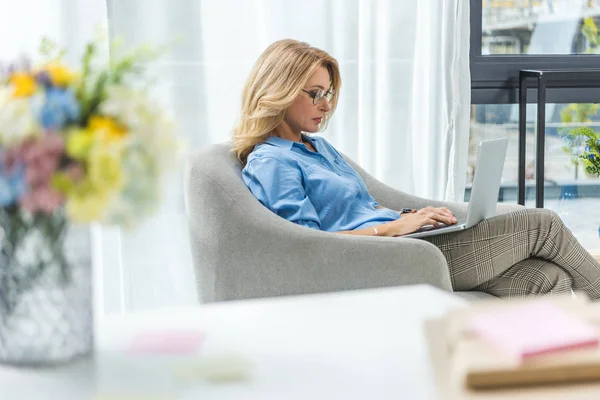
(492, 121)
(539, 27)
(509, 35)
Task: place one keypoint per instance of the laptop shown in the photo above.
(484, 191)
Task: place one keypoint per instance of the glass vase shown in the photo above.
(45, 289)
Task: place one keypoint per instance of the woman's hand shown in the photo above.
(410, 223)
(443, 211)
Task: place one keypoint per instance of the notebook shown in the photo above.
(478, 364)
(532, 329)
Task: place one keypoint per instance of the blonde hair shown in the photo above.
(274, 83)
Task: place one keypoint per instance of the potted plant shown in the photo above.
(590, 157)
(76, 146)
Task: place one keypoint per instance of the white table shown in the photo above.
(350, 345)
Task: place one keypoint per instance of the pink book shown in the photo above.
(168, 342)
(532, 329)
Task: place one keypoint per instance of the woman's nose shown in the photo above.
(325, 106)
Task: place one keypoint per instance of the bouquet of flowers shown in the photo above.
(591, 150)
(76, 146)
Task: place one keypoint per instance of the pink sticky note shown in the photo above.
(532, 329)
(171, 342)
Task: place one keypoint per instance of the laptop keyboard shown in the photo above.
(426, 228)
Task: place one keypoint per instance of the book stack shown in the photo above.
(544, 348)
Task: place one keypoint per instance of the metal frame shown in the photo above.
(544, 78)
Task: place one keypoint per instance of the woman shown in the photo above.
(293, 89)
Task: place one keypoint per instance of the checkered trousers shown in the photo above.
(526, 252)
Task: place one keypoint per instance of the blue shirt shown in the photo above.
(318, 190)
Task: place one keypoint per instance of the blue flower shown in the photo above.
(12, 184)
(59, 109)
(591, 156)
(588, 149)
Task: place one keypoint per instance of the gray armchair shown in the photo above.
(243, 250)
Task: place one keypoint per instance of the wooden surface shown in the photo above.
(452, 352)
(450, 382)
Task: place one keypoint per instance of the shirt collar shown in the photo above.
(284, 143)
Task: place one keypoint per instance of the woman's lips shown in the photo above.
(318, 120)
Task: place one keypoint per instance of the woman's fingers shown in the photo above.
(439, 214)
(439, 210)
(431, 221)
(442, 217)
(449, 219)
(446, 212)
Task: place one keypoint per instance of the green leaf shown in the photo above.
(50, 51)
(590, 31)
(86, 70)
(583, 131)
(61, 182)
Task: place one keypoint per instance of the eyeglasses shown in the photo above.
(319, 94)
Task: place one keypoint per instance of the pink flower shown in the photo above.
(14, 155)
(40, 170)
(42, 199)
(41, 157)
(50, 144)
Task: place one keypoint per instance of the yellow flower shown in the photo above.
(106, 127)
(24, 85)
(104, 168)
(87, 207)
(79, 143)
(89, 199)
(60, 75)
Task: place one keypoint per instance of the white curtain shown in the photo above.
(403, 111)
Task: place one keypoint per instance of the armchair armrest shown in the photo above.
(292, 260)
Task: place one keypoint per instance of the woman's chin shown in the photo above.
(311, 129)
